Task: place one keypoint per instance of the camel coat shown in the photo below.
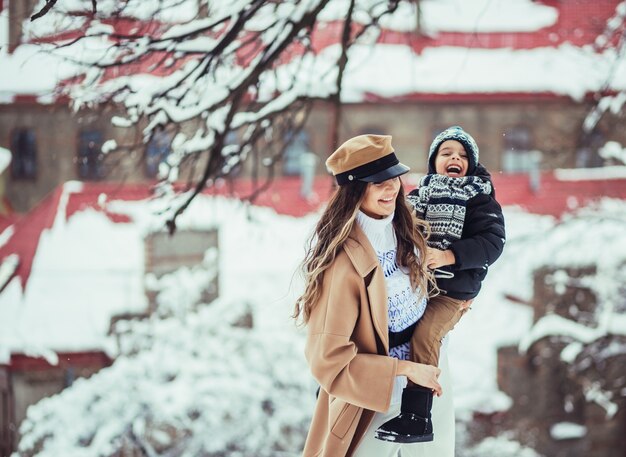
(347, 350)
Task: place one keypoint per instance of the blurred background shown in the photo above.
(162, 166)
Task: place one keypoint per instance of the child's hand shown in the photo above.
(436, 258)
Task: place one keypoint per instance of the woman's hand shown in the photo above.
(436, 258)
(421, 374)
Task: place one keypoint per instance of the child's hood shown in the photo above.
(482, 173)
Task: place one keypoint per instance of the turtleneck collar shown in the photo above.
(376, 225)
(379, 231)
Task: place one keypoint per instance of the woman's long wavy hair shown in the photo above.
(332, 231)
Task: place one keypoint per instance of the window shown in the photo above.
(24, 154)
(157, 151)
(69, 376)
(519, 156)
(90, 155)
(587, 151)
(297, 145)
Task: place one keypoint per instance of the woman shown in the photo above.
(365, 283)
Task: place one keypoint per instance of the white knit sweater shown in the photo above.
(404, 304)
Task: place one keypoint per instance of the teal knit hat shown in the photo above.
(454, 133)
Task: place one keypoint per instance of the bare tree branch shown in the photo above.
(47, 7)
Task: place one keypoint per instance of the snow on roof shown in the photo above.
(73, 14)
(554, 325)
(80, 272)
(437, 68)
(29, 70)
(398, 71)
(480, 16)
(474, 16)
(88, 268)
(586, 174)
(83, 273)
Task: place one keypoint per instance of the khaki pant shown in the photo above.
(441, 315)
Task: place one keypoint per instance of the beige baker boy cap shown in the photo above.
(368, 158)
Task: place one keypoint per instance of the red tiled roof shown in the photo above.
(554, 197)
(579, 23)
(83, 359)
(26, 233)
(29, 227)
(7, 220)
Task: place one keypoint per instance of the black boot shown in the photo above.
(413, 424)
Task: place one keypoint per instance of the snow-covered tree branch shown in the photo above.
(206, 71)
(612, 41)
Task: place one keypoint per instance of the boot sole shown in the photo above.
(403, 439)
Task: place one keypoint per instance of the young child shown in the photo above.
(457, 199)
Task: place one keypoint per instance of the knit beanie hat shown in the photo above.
(454, 133)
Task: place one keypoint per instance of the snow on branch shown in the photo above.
(205, 71)
(8, 266)
(199, 385)
(554, 325)
(49, 4)
(612, 39)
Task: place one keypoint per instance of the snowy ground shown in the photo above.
(205, 381)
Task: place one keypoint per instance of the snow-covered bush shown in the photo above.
(198, 386)
(227, 378)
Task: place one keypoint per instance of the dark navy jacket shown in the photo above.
(480, 245)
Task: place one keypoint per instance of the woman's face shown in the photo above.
(380, 198)
(451, 159)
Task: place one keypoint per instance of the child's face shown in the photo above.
(380, 198)
(451, 159)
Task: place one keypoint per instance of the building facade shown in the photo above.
(517, 132)
(50, 144)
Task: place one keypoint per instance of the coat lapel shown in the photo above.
(365, 260)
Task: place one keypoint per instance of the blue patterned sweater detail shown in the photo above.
(403, 305)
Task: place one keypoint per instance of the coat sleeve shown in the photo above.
(362, 379)
(483, 234)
